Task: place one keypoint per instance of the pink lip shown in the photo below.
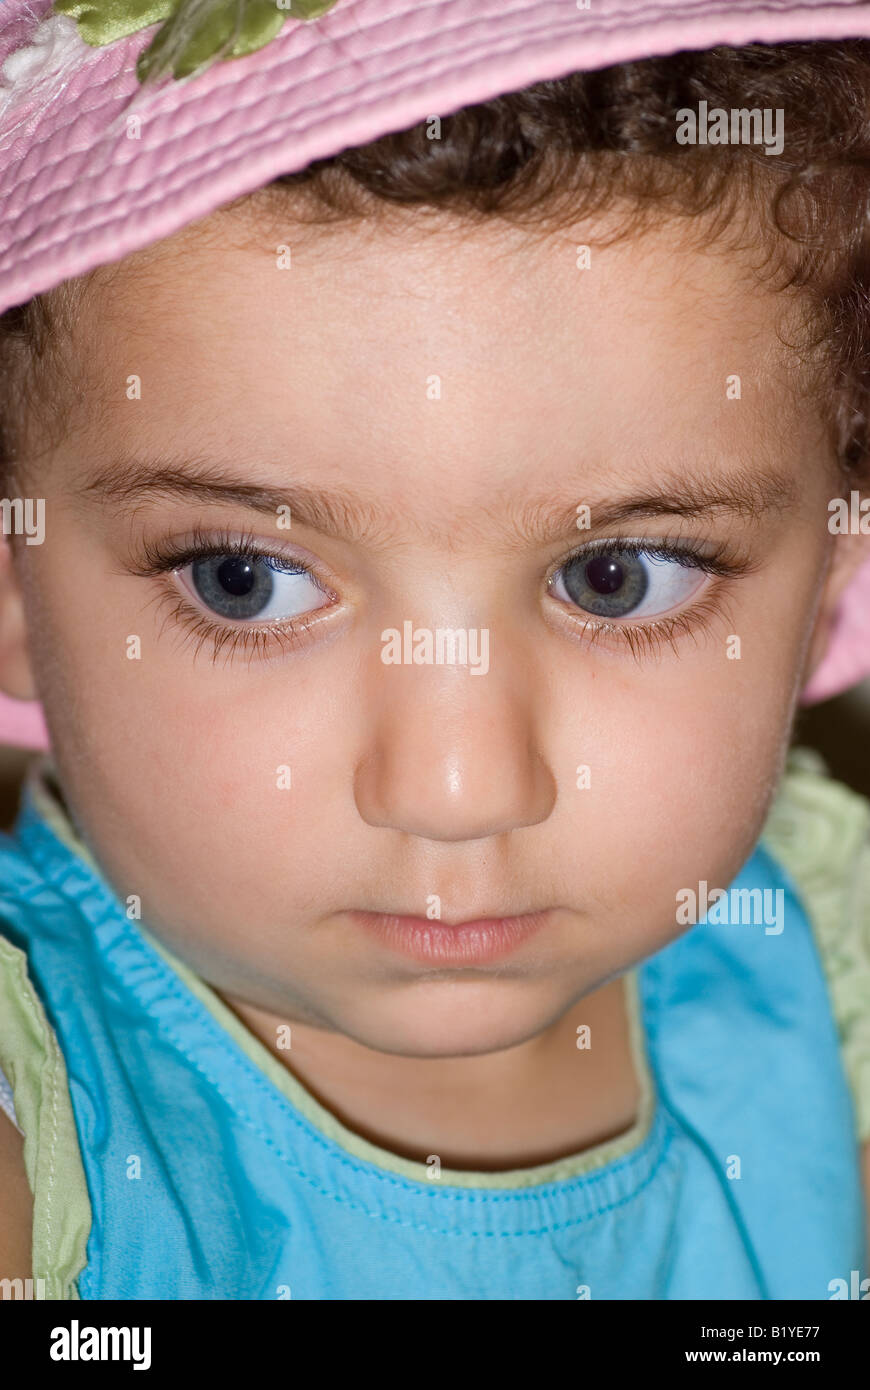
(437, 943)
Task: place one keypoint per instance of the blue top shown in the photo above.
(206, 1181)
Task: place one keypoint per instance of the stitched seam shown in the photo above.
(391, 1180)
(316, 112)
(49, 1233)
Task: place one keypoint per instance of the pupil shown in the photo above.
(604, 574)
(236, 575)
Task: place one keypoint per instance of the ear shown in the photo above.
(848, 554)
(16, 675)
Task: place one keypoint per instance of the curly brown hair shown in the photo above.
(591, 142)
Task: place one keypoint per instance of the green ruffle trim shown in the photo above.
(31, 1059)
(215, 29)
(819, 831)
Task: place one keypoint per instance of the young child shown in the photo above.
(433, 449)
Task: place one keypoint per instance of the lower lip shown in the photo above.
(436, 943)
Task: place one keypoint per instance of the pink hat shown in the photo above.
(83, 182)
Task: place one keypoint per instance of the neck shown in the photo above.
(543, 1100)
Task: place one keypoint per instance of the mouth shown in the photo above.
(434, 942)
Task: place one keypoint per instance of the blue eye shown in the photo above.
(624, 582)
(240, 587)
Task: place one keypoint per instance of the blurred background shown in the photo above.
(13, 761)
(839, 729)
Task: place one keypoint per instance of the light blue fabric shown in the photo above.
(241, 1197)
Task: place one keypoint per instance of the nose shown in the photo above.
(453, 756)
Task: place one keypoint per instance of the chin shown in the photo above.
(453, 1019)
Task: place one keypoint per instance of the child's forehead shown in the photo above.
(405, 344)
(442, 371)
(487, 282)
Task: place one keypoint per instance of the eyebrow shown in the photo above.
(749, 493)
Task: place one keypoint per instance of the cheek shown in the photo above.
(200, 780)
(698, 785)
(225, 773)
(684, 757)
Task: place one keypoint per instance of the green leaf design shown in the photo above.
(194, 32)
(210, 33)
(102, 21)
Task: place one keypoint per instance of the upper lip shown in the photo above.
(460, 922)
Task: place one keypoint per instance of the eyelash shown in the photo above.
(159, 558)
(648, 636)
(641, 638)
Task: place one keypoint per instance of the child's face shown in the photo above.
(462, 392)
